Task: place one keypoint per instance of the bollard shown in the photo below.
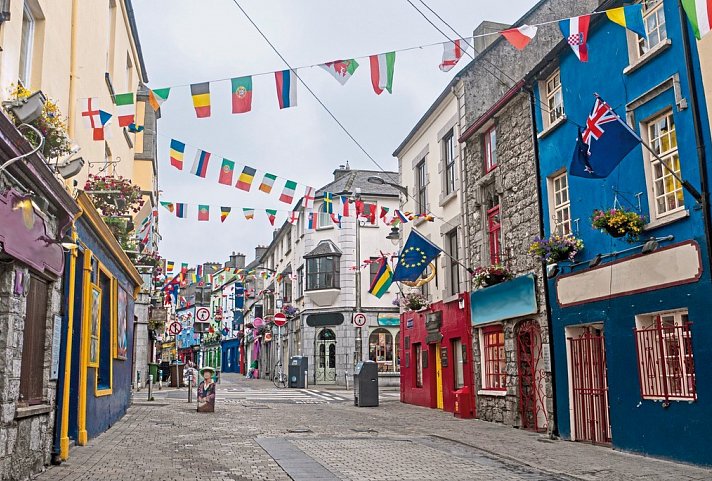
(306, 380)
(150, 386)
(138, 380)
(190, 389)
(346, 377)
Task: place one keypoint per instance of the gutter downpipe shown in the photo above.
(72, 68)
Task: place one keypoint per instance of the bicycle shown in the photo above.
(280, 377)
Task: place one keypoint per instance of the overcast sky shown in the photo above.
(183, 43)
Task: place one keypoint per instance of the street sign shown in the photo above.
(202, 314)
(175, 328)
(280, 319)
(359, 319)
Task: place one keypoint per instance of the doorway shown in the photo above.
(325, 352)
(439, 376)
(530, 364)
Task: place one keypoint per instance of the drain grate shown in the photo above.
(362, 430)
(299, 430)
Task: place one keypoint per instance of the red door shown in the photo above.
(532, 390)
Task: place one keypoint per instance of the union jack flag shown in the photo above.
(600, 115)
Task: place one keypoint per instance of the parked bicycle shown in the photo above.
(280, 377)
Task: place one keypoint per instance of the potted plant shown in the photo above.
(289, 310)
(618, 223)
(555, 248)
(414, 301)
(491, 275)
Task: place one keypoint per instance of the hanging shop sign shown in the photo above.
(325, 319)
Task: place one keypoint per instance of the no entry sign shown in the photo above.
(280, 319)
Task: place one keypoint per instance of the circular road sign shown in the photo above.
(280, 319)
(175, 328)
(202, 314)
(359, 319)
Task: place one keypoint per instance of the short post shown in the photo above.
(150, 386)
(346, 378)
(306, 379)
(138, 380)
(190, 385)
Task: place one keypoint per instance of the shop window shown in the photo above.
(418, 350)
(494, 230)
(103, 380)
(666, 365)
(33, 342)
(459, 363)
(381, 348)
(489, 147)
(655, 27)
(494, 359)
(560, 204)
(667, 196)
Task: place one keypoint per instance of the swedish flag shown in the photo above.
(417, 253)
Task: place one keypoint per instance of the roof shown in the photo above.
(324, 248)
(137, 42)
(357, 179)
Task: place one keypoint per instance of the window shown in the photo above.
(449, 160)
(33, 342)
(129, 72)
(323, 273)
(103, 372)
(494, 230)
(453, 249)
(425, 288)
(654, 19)
(286, 289)
(300, 282)
(111, 36)
(554, 98)
(323, 220)
(26, 45)
(561, 205)
(418, 350)
(666, 365)
(494, 359)
(667, 192)
(288, 241)
(373, 268)
(421, 187)
(459, 360)
(489, 146)
(381, 349)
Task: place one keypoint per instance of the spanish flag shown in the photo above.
(201, 99)
(382, 280)
(244, 182)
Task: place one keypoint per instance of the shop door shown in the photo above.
(589, 387)
(530, 363)
(326, 357)
(439, 376)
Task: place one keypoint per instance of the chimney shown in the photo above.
(240, 261)
(259, 252)
(484, 28)
(342, 171)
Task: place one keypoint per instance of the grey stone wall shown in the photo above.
(141, 341)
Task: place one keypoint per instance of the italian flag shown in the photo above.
(699, 12)
(125, 109)
(382, 72)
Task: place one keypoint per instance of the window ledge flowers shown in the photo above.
(491, 275)
(556, 248)
(619, 223)
(414, 301)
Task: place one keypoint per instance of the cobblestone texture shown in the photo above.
(168, 440)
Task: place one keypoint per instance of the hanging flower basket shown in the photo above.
(618, 223)
(414, 301)
(491, 275)
(555, 248)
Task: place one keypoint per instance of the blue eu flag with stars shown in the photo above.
(417, 253)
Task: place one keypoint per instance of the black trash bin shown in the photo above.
(297, 366)
(366, 384)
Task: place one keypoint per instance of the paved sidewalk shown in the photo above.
(250, 440)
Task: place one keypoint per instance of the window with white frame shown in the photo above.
(323, 273)
(667, 195)
(655, 28)
(381, 349)
(26, 45)
(421, 184)
(300, 282)
(560, 204)
(494, 362)
(554, 98)
(666, 365)
(489, 148)
(449, 161)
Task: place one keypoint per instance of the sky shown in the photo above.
(183, 44)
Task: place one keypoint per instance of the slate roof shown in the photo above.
(324, 248)
(352, 179)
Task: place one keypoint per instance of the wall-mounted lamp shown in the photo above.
(651, 245)
(28, 109)
(380, 181)
(394, 235)
(552, 270)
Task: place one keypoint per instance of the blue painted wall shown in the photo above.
(681, 430)
(230, 355)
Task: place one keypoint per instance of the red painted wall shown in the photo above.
(455, 325)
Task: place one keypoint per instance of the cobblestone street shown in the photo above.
(287, 439)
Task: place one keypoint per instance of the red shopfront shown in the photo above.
(436, 360)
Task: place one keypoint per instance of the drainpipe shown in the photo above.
(73, 68)
(545, 281)
(697, 125)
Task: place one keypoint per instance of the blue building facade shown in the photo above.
(631, 342)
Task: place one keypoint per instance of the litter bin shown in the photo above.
(153, 371)
(297, 366)
(366, 384)
(177, 374)
(463, 403)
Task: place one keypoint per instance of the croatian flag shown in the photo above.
(286, 88)
(575, 31)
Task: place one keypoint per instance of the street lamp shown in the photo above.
(380, 181)
(394, 235)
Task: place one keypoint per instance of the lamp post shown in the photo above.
(380, 181)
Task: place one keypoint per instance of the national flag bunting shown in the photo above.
(369, 211)
(699, 13)
(244, 182)
(341, 70)
(309, 195)
(293, 217)
(241, 94)
(415, 256)
(170, 265)
(400, 216)
(336, 219)
(201, 99)
(630, 17)
(382, 280)
(286, 81)
(452, 53)
(184, 267)
(125, 108)
(271, 215)
(575, 32)
(100, 133)
(200, 164)
(168, 205)
(384, 211)
(226, 170)
(267, 183)
(520, 36)
(90, 113)
(177, 151)
(328, 202)
(181, 210)
(203, 212)
(224, 212)
(310, 219)
(382, 72)
(249, 213)
(288, 193)
(345, 205)
(156, 97)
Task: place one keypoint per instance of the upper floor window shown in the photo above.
(560, 204)
(323, 219)
(421, 184)
(494, 229)
(26, 45)
(300, 282)
(453, 248)
(489, 146)
(667, 194)
(655, 28)
(449, 161)
(554, 97)
(288, 241)
(322, 273)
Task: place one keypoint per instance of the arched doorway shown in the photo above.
(530, 364)
(325, 362)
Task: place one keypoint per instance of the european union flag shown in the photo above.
(603, 144)
(417, 253)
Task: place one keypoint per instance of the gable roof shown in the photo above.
(358, 179)
(324, 248)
